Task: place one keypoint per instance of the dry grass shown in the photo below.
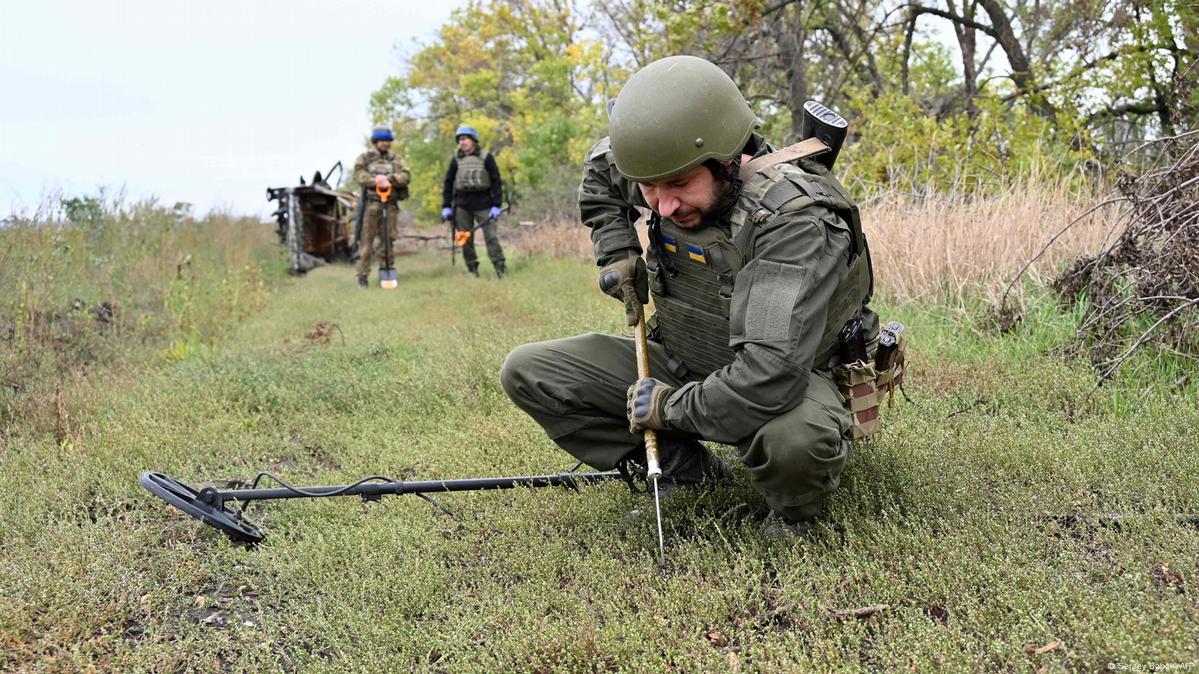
(934, 247)
(561, 239)
(953, 246)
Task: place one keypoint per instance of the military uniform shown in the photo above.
(472, 187)
(370, 164)
(748, 309)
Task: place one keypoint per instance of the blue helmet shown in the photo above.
(381, 133)
(466, 131)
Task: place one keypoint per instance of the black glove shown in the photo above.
(627, 281)
(646, 405)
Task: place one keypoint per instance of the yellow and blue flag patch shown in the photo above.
(670, 244)
(696, 253)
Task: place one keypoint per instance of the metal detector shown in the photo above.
(211, 506)
(387, 273)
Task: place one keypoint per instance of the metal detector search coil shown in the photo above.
(202, 506)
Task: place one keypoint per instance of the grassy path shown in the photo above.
(946, 520)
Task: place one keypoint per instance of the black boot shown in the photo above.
(779, 527)
(500, 269)
(685, 463)
(688, 463)
(362, 282)
(474, 270)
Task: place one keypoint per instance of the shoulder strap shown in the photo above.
(792, 153)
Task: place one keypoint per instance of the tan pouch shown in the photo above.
(858, 382)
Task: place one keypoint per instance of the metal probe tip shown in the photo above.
(661, 538)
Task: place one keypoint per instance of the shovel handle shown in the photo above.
(384, 194)
(653, 466)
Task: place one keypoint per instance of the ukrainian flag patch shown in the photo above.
(670, 244)
(696, 253)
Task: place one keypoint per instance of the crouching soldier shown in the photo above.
(756, 263)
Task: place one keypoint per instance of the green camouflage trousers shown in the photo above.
(576, 389)
(464, 220)
(370, 230)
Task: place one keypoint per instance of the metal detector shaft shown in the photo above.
(369, 489)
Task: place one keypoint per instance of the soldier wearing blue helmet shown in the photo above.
(471, 196)
(378, 167)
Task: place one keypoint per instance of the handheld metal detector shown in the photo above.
(212, 506)
(387, 272)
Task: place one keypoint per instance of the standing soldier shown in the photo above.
(378, 168)
(471, 196)
(756, 263)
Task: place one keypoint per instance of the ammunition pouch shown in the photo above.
(865, 386)
(858, 382)
(892, 377)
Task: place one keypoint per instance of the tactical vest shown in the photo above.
(384, 165)
(472, 175)
(692, 272)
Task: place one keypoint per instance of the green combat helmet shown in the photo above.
(674, 114)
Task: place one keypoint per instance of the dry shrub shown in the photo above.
(1145, 285)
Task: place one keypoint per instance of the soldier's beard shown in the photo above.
(724, 195)
(726, 191)
(726, 188)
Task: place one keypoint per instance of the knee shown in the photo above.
(514, 366)
(808, 446)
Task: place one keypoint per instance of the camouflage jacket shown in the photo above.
(794, 265)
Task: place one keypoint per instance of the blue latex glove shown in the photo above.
(494, 212)
(447, 213)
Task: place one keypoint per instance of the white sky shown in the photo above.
(205, 102)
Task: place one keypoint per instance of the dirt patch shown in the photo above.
(221, 605)
(322, 332)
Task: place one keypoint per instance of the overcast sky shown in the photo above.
(205, 102)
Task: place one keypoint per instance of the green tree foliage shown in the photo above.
(952, 94)
(520, 71)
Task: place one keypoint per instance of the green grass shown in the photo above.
(950, 518)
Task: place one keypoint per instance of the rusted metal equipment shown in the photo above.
(315, 221)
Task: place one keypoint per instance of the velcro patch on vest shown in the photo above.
(773, 292)
(696, 253)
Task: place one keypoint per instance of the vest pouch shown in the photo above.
(657, 281)
(858, 382)
(726, 299)
(891, 360)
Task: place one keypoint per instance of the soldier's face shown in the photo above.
(383, 145)
(466, 144)
(685, 198)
